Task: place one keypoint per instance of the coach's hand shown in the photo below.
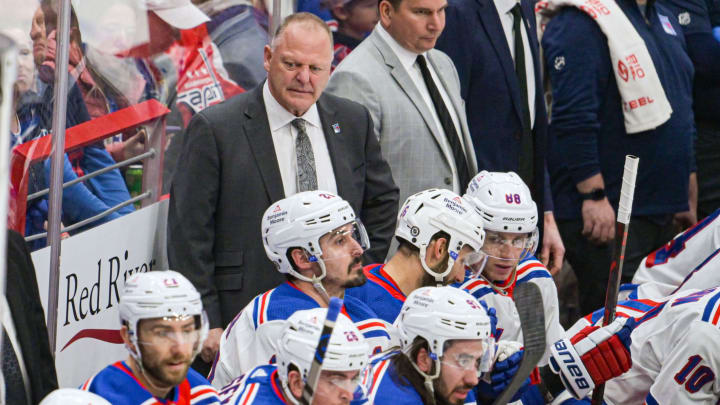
(598, 221)
(211, 345)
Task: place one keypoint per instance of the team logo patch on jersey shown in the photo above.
(559, 63)
(667, 26)
(684, 18)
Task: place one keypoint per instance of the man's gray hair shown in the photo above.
(306, 19)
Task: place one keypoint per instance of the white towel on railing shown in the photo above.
(644, 103)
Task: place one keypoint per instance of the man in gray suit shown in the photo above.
(413, 94)
(273, 141)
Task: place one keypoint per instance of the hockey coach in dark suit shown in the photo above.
(241, 155)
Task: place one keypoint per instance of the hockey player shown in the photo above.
(315, 239)
(163, 327)
(510, 222)
(282, 383)
(446, 344)
(675, 351)
(691, 260)
(438, 234)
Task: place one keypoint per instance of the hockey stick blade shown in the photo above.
(529, 304)
(314, 374)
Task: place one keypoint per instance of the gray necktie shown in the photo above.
(306, 173)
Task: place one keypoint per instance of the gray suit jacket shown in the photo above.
(410, 141)
(228, 175)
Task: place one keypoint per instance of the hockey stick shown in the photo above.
(616, 266)
(529, 304)
(314, 374)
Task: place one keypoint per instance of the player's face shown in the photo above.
(459, 372)
(167, 347)
(456, 275)
(336, 387)
(342, 255)
(298, 66)
(504, 251)
(415, 24)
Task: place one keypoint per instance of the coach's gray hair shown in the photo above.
(303, 18)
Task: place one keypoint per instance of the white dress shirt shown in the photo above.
(284, 135)
(506, 18)
(408, 61)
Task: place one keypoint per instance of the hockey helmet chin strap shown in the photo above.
(508, 283)
(315, 280)
(137, 356)
(439, 277)
(428, 383)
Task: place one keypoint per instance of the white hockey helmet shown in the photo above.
(506, 205)
(299, 221)
(439, 315)
(161, 294)
(428, 212)
(346, 350)
(73, 396)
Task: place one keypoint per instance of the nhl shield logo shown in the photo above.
(336, 128)
(559, 63)
(684, 18)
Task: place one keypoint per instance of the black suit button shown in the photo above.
(448, 181)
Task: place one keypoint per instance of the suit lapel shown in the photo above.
(493, 27)
(257, 130)
(403, 79)
(341, 170)
(529, 15)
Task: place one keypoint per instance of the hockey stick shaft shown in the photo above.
(334, 308)
(529, 303)
(616, 266)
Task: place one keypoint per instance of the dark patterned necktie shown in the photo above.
(525, 159)
(447, 124)
(14, 383)
(306, 173)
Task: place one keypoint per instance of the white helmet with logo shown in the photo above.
(346, 350)
(431, 211)
(73, 396)
(504, 202)
(299, 221)
(161, 294)
(506, 205)
(439, 315)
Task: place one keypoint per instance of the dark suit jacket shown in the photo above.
(228, 175)
(29, 318)
(475, 41)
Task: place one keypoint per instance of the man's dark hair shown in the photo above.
(394, 3)
(406, 375)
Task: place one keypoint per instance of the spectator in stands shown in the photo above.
(509, 133)
(413, 94)
(261, 146)
(600, 114)
(356, 19)
(34, 119)
(696, 20)
(234, 27)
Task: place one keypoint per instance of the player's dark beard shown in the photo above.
(442, 392)
(153, 367)
(359, 276)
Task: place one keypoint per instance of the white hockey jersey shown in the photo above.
(529, 270)
(250, 339)
(675, 350)
(688, 261)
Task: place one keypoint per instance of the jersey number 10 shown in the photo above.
(700, 377)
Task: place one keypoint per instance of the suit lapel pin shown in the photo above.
(336, 128)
